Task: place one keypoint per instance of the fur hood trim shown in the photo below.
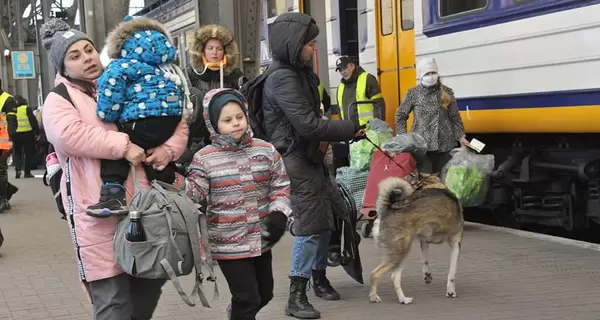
(125, 29)
(213, 31)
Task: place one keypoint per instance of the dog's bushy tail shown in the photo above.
(391, 189)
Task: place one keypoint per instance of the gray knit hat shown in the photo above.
(57, 37)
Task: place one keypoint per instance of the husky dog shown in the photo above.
(432, 214)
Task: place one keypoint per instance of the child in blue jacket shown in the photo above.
(144, 93)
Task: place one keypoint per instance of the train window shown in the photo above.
(387, 17)
(276, 7)
(408, 14)
(453, 7)
(189, 39)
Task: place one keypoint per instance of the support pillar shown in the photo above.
(21, 85)
(4, 44)
(101, 17)
(47, 71)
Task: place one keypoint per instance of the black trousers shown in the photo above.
(23, 150)
(433, 162)
(250, 283)
(4, 154)
(341, 156)
(147, 133)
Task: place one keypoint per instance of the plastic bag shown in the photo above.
(467, 175)
(361, 151)
(407, 142)
(355, 181)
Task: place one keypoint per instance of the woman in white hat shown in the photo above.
(436, 116)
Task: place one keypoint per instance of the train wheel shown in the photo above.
(505, 217)
(366, 228)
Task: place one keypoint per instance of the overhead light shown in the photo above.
(6, 52)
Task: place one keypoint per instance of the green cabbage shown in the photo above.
(465, 182)
(362, 151)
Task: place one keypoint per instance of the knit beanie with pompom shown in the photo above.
(57, 37)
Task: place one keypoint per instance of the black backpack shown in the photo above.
(253, 91)
(54, 181)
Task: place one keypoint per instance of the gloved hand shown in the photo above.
(359, 135)
(274, 227)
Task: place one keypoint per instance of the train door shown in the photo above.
(395, 52)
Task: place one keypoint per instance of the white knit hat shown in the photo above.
(425, 66)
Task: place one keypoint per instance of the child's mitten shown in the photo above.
(274, 227)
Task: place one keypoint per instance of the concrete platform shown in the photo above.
(502, 275)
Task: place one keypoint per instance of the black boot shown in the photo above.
(298, 305)
(3, 204)
(322, 287)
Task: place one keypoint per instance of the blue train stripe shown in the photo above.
(569, 98)
(496, 12)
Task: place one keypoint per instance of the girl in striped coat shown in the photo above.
(244, 184)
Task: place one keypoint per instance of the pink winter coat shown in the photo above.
(81, 139)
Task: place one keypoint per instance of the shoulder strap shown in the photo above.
(62, 91)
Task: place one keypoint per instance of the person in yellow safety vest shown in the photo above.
(23, 129)
(356, 86)
(325, 99)
(6, 189)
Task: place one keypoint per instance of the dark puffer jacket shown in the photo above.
(202, 80)
(291, 108)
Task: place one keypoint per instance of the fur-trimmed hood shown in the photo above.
(125, 30)
(213, 31)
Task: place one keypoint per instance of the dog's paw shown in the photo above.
(451, 294)
(427, 277)
(450, 290)
(405, 300)
(374, 298)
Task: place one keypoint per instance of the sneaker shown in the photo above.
(112, 201)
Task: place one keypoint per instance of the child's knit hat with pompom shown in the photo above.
(57, 37)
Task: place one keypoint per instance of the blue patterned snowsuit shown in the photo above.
(141, 84)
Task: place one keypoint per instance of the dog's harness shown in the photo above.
(416, 182)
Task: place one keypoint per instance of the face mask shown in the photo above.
(429, 80)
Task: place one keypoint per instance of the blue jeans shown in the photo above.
(309, 253)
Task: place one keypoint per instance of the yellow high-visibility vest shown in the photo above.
(366, 111)
(5, 143)
(321, 92)
(23, 120)
(3, 97)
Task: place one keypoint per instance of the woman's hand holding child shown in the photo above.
(158, 157)
(134, 154)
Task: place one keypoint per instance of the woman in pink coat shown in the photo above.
(81, 139)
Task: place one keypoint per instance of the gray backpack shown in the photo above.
(174, 227)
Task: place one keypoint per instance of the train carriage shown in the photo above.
(525, 77)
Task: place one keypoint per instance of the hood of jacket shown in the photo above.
(141, 39)
(225, 140)
(213, 31)
(287, 37)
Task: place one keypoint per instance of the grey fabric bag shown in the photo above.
(174, 227)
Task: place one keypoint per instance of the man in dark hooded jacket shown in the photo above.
(291, 107)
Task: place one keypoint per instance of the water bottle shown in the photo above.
(135, 232)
